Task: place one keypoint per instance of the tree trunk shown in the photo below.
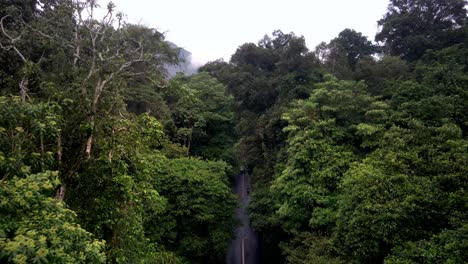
(23, 85)
(97, 94)
(61, 193)
(89, 142)
(59, 149)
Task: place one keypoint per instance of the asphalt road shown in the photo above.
(244, 248)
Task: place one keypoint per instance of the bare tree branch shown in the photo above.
(12, 40)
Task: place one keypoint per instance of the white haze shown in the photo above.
(213, 29)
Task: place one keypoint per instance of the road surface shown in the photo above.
(244, 248)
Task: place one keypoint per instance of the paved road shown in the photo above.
(244, 248)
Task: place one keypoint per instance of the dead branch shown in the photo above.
(11, 39)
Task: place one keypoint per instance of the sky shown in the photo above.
(214, 29)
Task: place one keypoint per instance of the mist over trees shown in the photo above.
(357, 150)
(184, 64)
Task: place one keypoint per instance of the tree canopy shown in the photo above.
(411, 27)
(356, 151)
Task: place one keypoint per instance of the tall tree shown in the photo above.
(410, 27)
(354, 45)
(341, 55)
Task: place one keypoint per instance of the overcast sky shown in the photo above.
(213, 29)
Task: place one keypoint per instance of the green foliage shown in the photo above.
(381, 73)
(77, 77)
(374, 175)
(380, 209)
(116, 187)
(341, 55)
(28, 136)
(35, 228)
(449, 246)
(410, 28)
(198, 220)
(274, 70)
(263, 78)
(368, 170)
(202, 116)
(410, 187)
(319, 152)
(308, 248)
(215, 139)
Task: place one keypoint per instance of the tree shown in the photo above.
(380, 209)
(307, 248)
(27, 38)
(414, 168)
(198, 221)
(411, 27)
(341, 55)
(35, 228)
(30, 136)
(354, 45)
(144, 88)
(263, 78)
(215, 138)
(218, 69)
(321, 147)
(449, 246)
(114, 193)
(71, 117)
(378, 74)
(274, 70)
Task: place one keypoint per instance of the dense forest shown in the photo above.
(357, 150)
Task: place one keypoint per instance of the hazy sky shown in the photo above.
(213, 29)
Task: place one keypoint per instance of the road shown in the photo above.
(244, 248)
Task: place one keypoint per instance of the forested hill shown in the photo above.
(184, 64)
(357, 150)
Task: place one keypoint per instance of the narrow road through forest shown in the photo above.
(244, 248)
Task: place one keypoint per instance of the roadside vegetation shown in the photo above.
(357, 150)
